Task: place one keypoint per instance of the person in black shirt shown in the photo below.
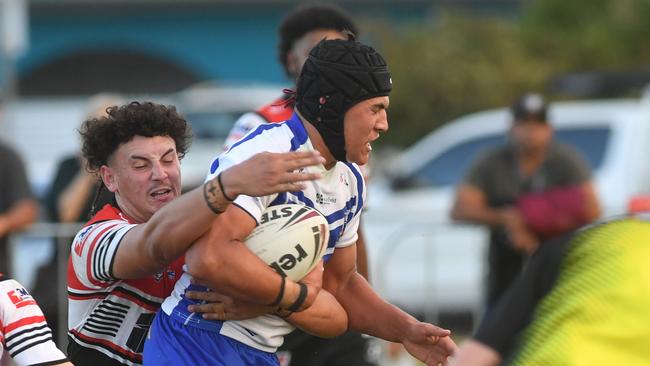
(528, 190)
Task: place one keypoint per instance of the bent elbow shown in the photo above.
(339, 327)
(337, 323)
(335, 326)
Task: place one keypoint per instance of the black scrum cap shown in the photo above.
(337, 75)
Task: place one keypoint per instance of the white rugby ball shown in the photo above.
(290, 238)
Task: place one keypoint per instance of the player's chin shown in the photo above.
(360, 158)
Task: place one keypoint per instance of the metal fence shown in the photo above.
(433, 267)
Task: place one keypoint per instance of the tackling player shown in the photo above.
(125, 261)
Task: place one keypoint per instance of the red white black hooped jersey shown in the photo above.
(106, 314)
(25, 335)
(338, 195)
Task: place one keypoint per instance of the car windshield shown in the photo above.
(448, 167)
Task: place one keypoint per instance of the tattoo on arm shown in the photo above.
(214, 196)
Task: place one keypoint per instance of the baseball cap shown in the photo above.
(529, 107)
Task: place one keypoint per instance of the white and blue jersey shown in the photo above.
(338, 195)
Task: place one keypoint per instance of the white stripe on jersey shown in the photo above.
(25, 334)
(98, 243)
(338, 195)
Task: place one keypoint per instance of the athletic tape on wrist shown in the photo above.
(278, 299)
(302, 296)
(223, 191)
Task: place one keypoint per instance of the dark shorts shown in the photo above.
(349, 349)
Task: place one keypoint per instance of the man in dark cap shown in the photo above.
(529, 190)
(341, 103)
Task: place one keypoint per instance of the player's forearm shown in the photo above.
(228, 267)
(326, 318)
(173, 229)
(370, 314)
(152, 246)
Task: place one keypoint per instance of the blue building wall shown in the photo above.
(227, 42)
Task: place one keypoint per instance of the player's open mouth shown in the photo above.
(369, 146)
(161, 194)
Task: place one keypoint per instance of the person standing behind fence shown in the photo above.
(528, 190)
(18, 208)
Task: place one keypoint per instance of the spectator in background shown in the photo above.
(529, 190)
(74, 193)
(24, 333)
(73, 190)
(299, 32)
(18, 208)
(582, 299)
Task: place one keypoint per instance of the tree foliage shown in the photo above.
(458, 63)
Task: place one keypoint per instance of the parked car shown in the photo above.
(422, 260)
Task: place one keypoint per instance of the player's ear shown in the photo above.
(108, 177)
(293, 64)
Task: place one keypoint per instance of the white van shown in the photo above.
(422, 260)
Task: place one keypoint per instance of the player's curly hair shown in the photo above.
(102, 136)
(309, 17)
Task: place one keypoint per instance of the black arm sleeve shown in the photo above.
(513, 312)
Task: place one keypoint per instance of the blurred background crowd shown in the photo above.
(456, 65)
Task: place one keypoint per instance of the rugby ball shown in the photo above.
(290, 238)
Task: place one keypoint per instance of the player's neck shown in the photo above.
(318, 143)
